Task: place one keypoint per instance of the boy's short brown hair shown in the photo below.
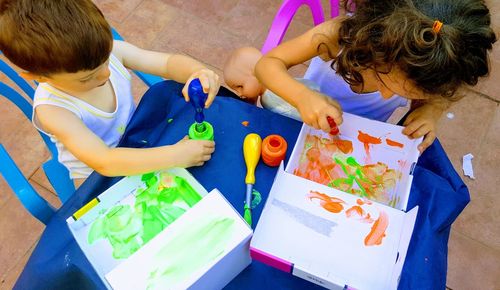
(54, 36)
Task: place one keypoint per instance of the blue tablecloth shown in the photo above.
(58, 263)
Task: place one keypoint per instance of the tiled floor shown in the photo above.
(208, 31)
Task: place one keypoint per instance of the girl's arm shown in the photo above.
(177, 67)
(272, 71)
(91, 150)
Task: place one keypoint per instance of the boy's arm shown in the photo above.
(91, 150)
(177, 67)
(272, 71)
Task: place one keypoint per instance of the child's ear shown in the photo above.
(33, 77)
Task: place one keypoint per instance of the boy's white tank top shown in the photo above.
(369, 105)
(108, 126)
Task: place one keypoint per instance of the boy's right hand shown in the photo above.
(193, 152)
(314, 108)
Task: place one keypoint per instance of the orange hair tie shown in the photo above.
(436, 27)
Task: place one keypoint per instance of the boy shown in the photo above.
(84, 99)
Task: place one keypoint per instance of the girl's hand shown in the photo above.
(422, 122)
(209, 81)
(314, 108)
(193, 152)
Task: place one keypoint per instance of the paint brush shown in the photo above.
(334, 129)
(252, 146)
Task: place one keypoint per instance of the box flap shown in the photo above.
(183, 252)
(126, 198)
(330, 234)
(406, 233)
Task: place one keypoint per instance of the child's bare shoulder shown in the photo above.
(325, 37)
(54, 119)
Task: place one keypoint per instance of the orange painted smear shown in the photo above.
(377, 232)
(367, 139)
(356, 209)
(344, 145)
(245, 123)
(393, 143)
(330, 203)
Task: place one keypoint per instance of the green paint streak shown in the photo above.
(256, 199)
(162, 200)
(188, 252)
(170, 120)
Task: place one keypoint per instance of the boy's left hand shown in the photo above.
(422, 122)
(209, 81)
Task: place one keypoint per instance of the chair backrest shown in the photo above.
(285, 15)
(56, 173)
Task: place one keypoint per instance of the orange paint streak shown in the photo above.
(344, 145)
(393, 143)
(245, 123)
(367, 140)
(377, 232)
(330, 203)
(356, 209)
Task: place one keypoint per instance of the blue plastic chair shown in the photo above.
(56, 173)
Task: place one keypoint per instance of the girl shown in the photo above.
(386, 51)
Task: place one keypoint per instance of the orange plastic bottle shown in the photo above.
(273, 150)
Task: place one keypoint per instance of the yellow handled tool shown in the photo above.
(252, 146)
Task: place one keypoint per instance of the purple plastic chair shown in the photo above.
(285, 15)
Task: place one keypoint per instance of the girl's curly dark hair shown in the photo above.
(381, 34)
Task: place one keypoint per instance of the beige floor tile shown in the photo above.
(20, 230)
(196, 38)
(465, 132)
(480, 218)
(145, 22)
(212, 12)
(8, 280)
(40, 178)
(471, 265)
(249, 20)
(117, 10)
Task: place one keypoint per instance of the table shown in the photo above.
(163, 117)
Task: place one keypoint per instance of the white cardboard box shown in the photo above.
(204, 248)
(333, 238)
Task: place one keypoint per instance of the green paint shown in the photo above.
(170, 120)
(163, 199)
(256, 199)
(201, 131)
(191, 250)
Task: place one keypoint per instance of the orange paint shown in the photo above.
(377, 232)
(393, 143)
(318, 163)
(367, 139)
(356, 209)
(245, 123)
(330, 203)
(344, 145)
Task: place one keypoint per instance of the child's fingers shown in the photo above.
(428, 140)
(421, 131)
(411, 127)
(324, 125)
(214, 88)
(185, 89)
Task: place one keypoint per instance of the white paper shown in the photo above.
(467, 165)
